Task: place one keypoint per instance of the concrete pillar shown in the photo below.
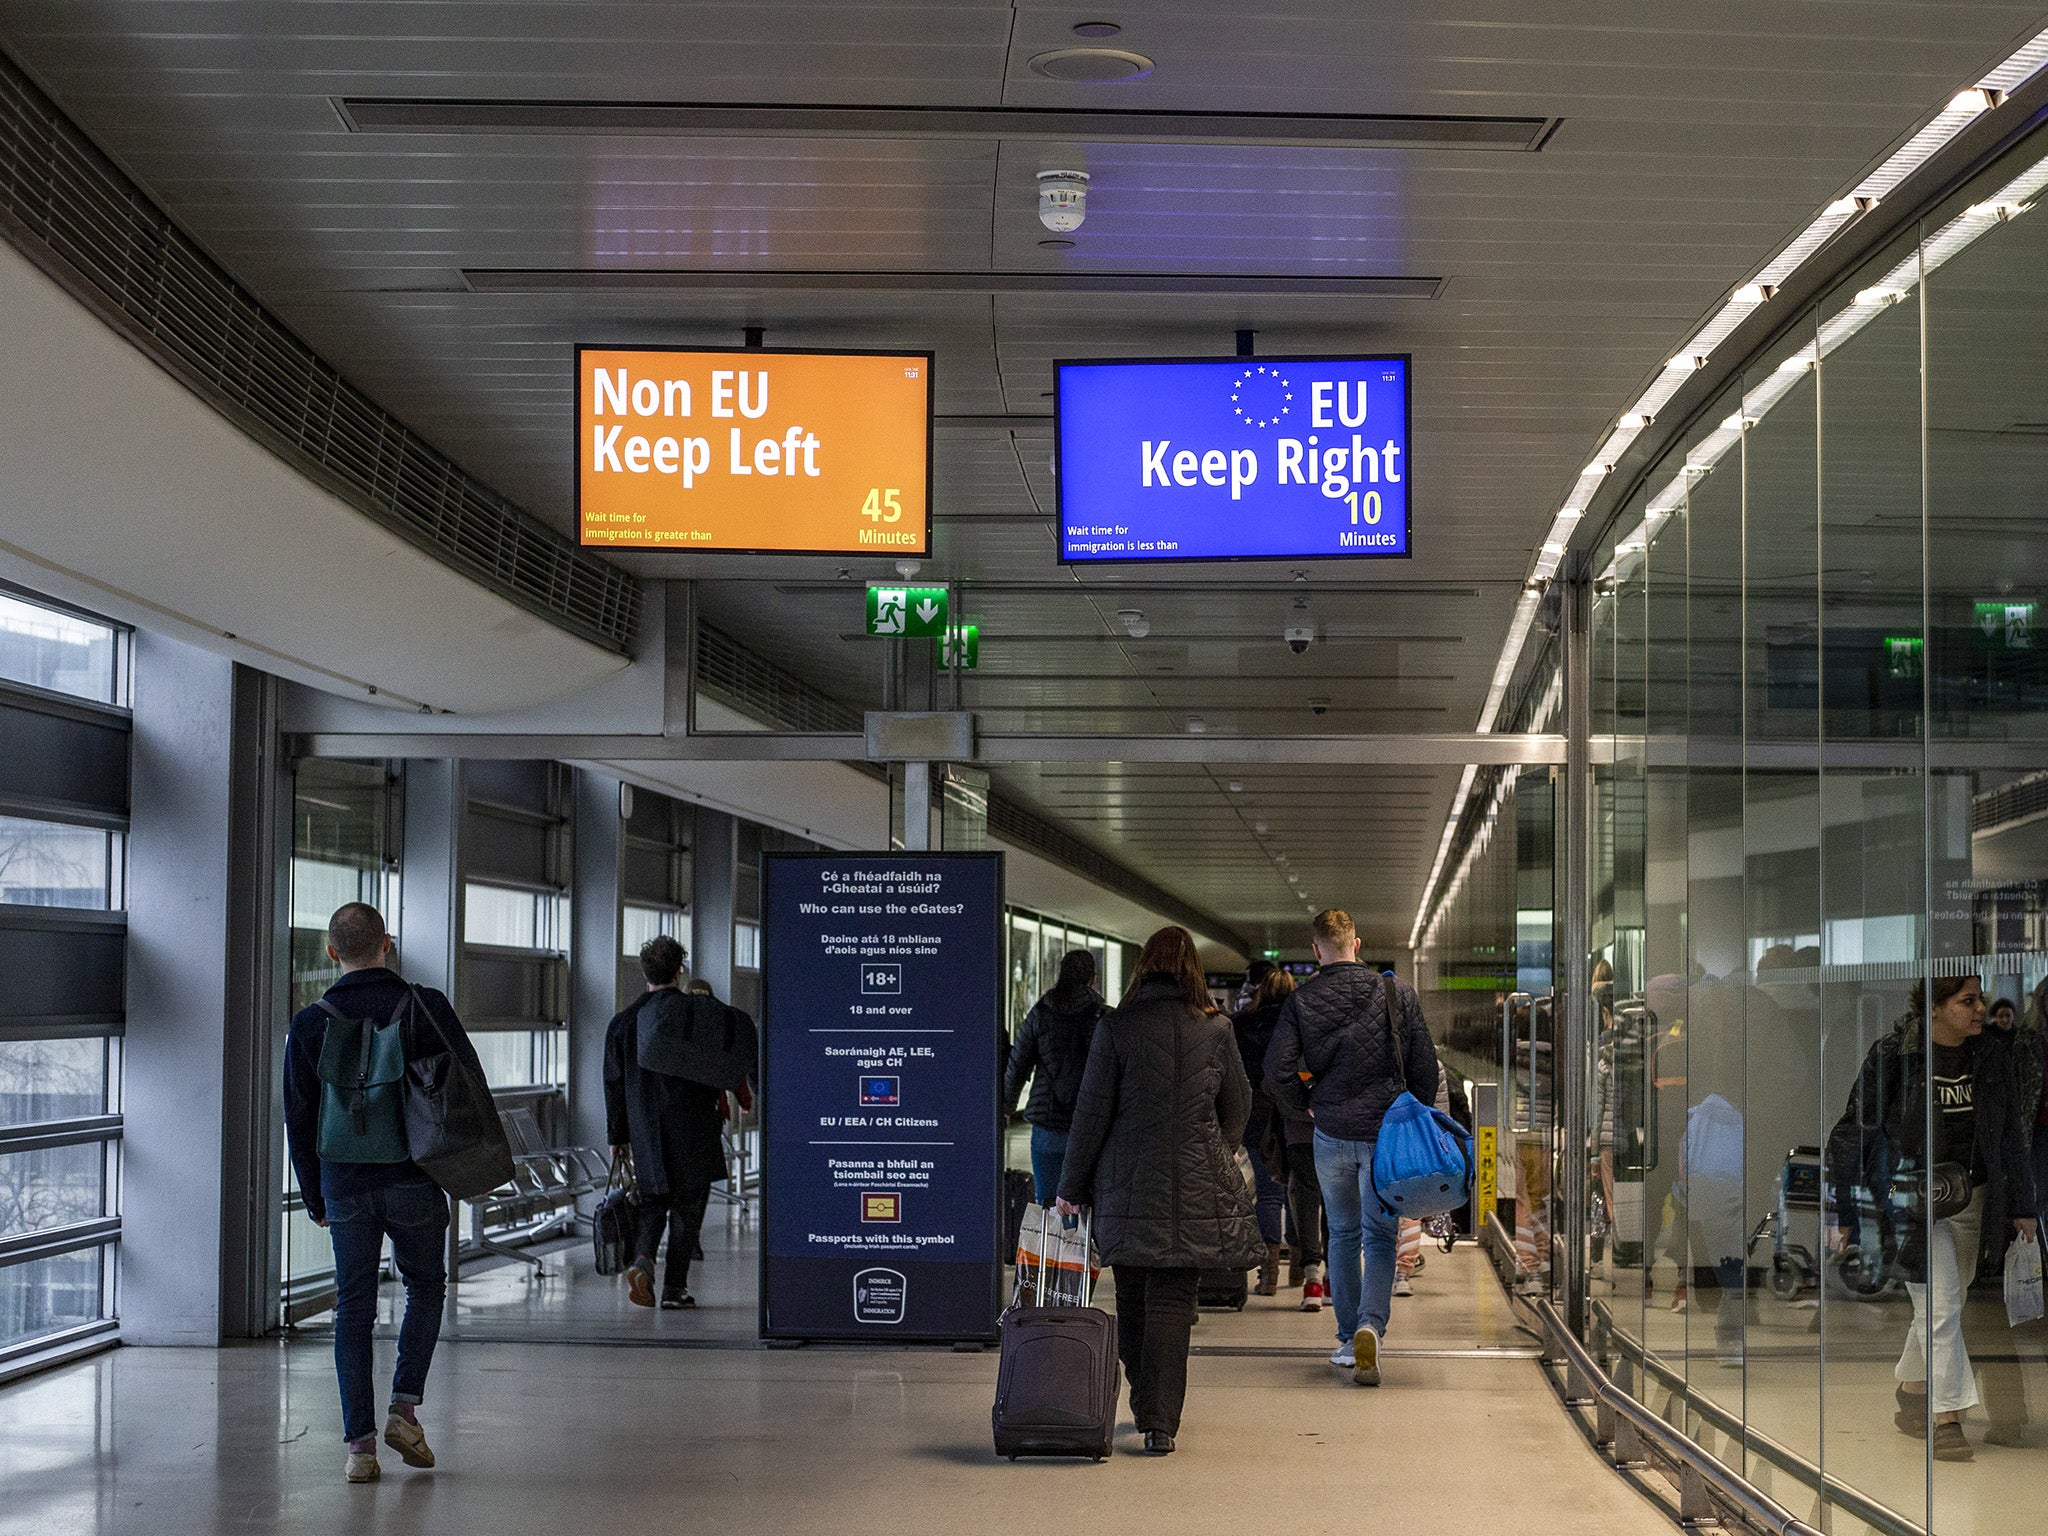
(178, 993)
(593, 948)
(430, 894)
(258, 1013)
(715, 854)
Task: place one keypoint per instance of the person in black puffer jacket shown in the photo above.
(1334, 1057)
(1051, 1050)
(1253, 1027)
(1153, 1148)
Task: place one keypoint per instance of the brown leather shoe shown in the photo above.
(1951, 1444)
(640, 1285)
(1911, 1414)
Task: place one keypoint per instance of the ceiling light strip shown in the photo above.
(1960, 111)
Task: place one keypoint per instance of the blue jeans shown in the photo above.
(415, 1217)
(1359, 1230)
(1269, 1202)
(1048, 1157)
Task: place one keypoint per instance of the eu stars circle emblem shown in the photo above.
(1261, 395)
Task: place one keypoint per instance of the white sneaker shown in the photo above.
(362, 1467)
(406, 1437)
(1342, 1356)
(1402, 1287)
(1365, 1362)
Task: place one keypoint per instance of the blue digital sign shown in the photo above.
(881, 1013)
(1280, 458)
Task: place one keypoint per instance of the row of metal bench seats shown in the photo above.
(542, 1198)
(550, 1181)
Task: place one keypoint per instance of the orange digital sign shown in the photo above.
(754, 450)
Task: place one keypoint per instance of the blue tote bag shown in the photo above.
(1422, 1161)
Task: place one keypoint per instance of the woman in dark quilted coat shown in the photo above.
(1153, 1148)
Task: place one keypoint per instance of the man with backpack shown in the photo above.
(1335, 1056)
(668, 1059)
(345, 1060)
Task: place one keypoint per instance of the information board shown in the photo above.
(1294, 458)
(755, 450)
(881, 1005)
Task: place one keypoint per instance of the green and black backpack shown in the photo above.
(362, 1088)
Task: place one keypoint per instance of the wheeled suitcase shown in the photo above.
(1056, 1387)
(1227, 1288)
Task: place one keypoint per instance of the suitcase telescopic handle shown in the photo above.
(1085, 1222)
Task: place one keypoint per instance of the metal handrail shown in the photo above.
(1635, 1434)
(1837, 1492)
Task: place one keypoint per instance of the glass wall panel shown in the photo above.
(52, 1187)
(344, 848)
(1873, 865)
(46, 1295)
(1780, 1344)
(1024, 987)
(1710, 1215)
(49, 864)
(64, 652)
(44, 1080)
(1986, 427)
(60, 1058)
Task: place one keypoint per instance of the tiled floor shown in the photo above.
(544, 1438)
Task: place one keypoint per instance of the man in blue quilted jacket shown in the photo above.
(1333, 1056)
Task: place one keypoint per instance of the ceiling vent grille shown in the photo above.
(81, 220)
(753, 685)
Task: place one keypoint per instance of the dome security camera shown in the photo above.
(1319, 707)
(1062, 200)
(1135, 624)
(1300, 637)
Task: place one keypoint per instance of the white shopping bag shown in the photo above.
(2023, 1301)
(1056, 1265)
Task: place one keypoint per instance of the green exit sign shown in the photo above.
(907, 612)
(2005, 626)
(960, 650)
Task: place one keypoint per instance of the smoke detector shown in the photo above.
(1062, 200)
(1135, 624)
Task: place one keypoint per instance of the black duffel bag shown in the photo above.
(698, 1038)
(615, 1225)
(452, 1127)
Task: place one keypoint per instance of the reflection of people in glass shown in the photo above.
(1711, 1162)
(2030, 1059)
(1976, 1178)
(1532, 1068)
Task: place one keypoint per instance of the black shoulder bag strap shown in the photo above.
(420, 1010)
(1394, 1029)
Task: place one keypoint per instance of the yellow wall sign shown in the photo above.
(1486, 1140)
(754, 450)
(881, 1207)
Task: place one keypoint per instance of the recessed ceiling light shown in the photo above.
(1259, 827)
(1237, 786)
(1096, 29)
(1197, 725)
(1055, 245)
(1091, 66)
